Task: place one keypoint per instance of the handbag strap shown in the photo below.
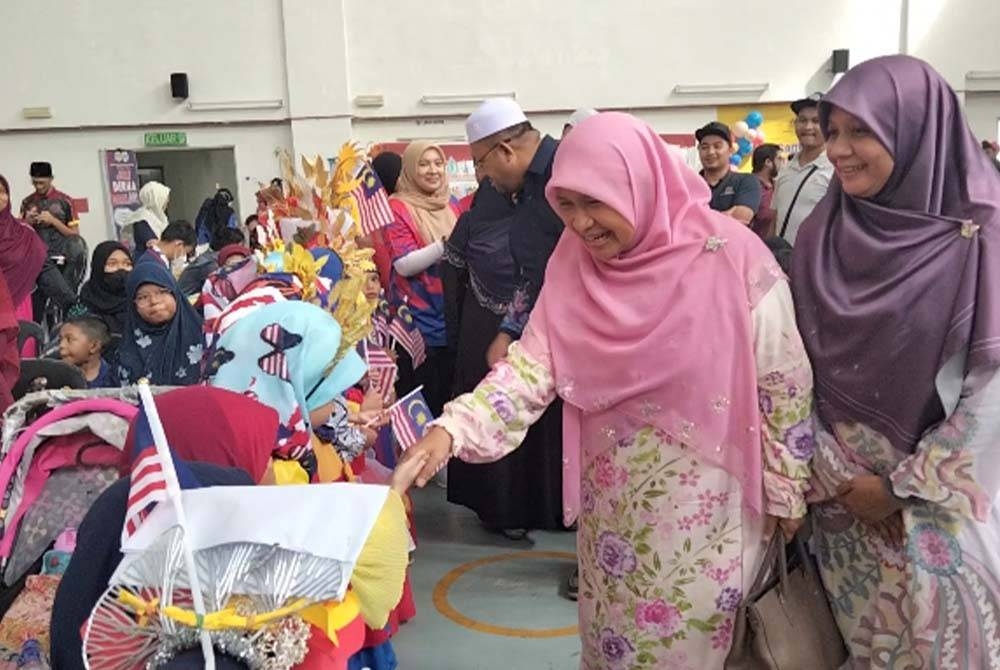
(776, 560)
(767, 567)
(795, 198)
(802, 553)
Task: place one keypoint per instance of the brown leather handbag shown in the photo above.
(785, 621)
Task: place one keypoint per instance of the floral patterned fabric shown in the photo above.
(665, 548)
(28, 617)
(932, 602)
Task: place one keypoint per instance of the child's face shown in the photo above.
(156, 305)
(75, 347)
(373, 287)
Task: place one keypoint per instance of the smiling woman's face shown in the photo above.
(430, 171)
(861, 161)
(604, 231)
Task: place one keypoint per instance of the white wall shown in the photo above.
(983, 112)
(607, 53)
(113, 62)
(109, 82)
(452, 129)
(958, 37)
(76, 161)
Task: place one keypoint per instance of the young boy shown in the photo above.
(175, 246)
(81, 341)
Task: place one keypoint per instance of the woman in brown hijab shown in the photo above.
(425, 217)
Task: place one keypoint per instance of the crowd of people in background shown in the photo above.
(677, 365)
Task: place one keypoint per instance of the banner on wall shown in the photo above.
(778, 125)
(122, 172)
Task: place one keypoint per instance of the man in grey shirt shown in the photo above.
(803, 182)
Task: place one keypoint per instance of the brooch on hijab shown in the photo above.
(714, 243)
(969, 229)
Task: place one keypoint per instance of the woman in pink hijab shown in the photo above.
(668, 330)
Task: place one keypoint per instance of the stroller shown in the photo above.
(60, 451)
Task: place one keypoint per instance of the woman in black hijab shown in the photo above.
(388, 166)
(104, 293)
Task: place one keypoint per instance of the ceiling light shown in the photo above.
(464, 98)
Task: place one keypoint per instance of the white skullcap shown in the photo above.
(581, 115)
(492, 116)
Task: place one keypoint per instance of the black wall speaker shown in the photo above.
(179, 85)
(841, 60)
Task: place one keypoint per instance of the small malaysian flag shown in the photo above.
(373, 202)
(148, 479)
(410, 418)
(382, 370)
(380, 336)
(404, 331)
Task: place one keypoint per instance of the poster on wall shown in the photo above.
(122, 172)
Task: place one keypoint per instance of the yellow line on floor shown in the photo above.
(449, 612)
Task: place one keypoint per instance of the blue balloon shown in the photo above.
(746, 146)
(736, 159)
(754, 119)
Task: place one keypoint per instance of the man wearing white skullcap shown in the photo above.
(518, 160)
(508, 150)
(576, 118)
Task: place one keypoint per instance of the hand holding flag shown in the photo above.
(410, 418)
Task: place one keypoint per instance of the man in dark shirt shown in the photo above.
(767, 162)
(53, 216)
(518, 160)
(45, 192)
(733, 193)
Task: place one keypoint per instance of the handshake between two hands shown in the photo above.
(422, 461)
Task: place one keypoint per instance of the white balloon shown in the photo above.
(740, 129)
(752, 134)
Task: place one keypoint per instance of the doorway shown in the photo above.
(191, 174)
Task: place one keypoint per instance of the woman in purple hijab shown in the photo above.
(894, 277)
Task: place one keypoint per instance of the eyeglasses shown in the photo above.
(146, 299)
(478, 164)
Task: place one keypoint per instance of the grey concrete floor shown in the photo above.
(523, 592)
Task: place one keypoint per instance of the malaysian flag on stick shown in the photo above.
(410, 418)
(152, 470)
(372, 200)
(156, 477)
(403, 330)
(382, 370)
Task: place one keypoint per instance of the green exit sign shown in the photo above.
(166, 139)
